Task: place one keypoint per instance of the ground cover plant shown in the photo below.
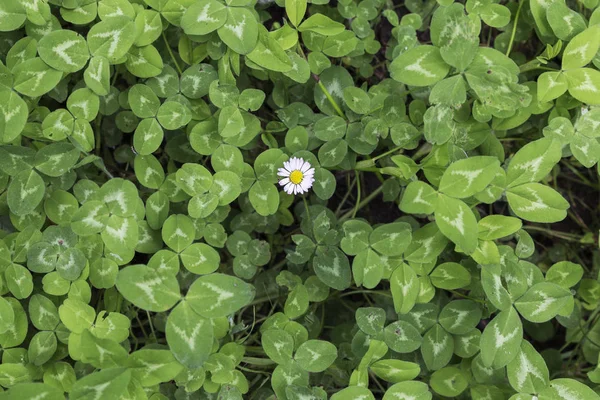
(343, 199)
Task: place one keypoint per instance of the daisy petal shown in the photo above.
(283, 172)
(305, 167)
(289, 188)
(284, 181)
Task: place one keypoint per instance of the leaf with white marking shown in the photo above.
(113, 326)
(121, 234)
(173, 115)
(264, 197)
(149, 171)
(568, 389)
(268, 53)
(332, 267)
(286, 375)
(25, 191)
(12, 373)
(527, 372)
(190, 336)
(143, 102)
(551, 85)
(13, 116)
(112, 38)
(34, 77)
(7, 315)
(226, 186)
(537, 203)
(115, 8)
(204, 17)
(12, 15)
(90, 218)
(295, 10)
(404, 286)
(97, 75)
(144, 62)
(584, 85)
(426, 245)
(419, 66)
(501, 339)
(450, 276)
(437, 348)
(395, 371)
(468, 176)
(200, 258)
(449, 382)
(278, 345)
(582, 48)
(493, 286)
(148, 136)
(495, 227)
(219, 295)
(64, 50)
(402, 337)
(457, 222)
(321, 24)
(543, 301)
(83, 104)
(121, 196)
(370, 320)
(178, 232)
(391, 239)
(76, 315)
(36, 391)
(533, 161)
(315, 355)
(101, 353)
(109, 383)
(418, 198)
(71, 263)
(148, 26)
(56, 159)
(147, 289)
(367, 269)
(586, 150)
(565, 274)
(240, 32)
(413, 390)
(460, 316)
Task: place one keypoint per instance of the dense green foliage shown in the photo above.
(149, 250)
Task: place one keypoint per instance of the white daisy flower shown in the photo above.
(298, 176)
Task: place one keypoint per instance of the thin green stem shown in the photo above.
(306, 207)
(387, 153)
(137, 317)
(514, 29)
(563, 235)
(373, 292)
(171, 54)
(331, 99)
(363, 203)
(254, 371)
(358, 192)
(150, 322)
(258, 361)
(339, 207)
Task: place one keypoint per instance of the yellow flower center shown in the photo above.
(296, 177)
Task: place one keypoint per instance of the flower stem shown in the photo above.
(171, 54)
(306, 206)
(331, 99)
(514, 30)
(363, 203)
